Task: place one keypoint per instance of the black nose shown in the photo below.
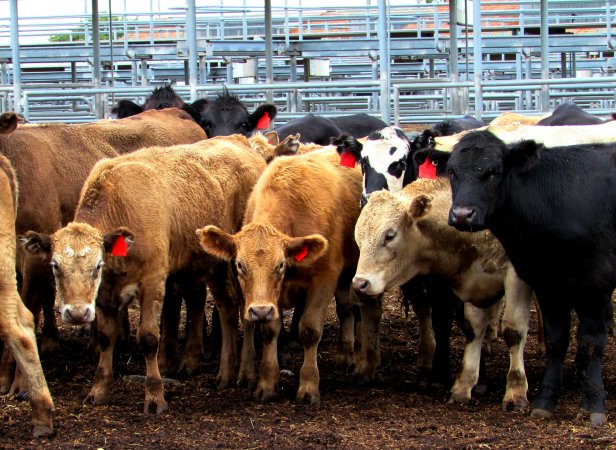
(261, 313)
(360, 285)
(461, 216)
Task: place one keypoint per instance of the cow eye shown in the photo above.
(389, 236)
(280, 268)
(55, 267)
(98, 267)
(240, 268)
(489, 174)
(452, 174)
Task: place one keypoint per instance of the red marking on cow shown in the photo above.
(301, 254)
(263, 122)
(427, 170)
(347, 159)
(120, 247)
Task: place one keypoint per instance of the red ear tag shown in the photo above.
(347, 159)
(427, 170)
(263, 122)
(120, 247)
(301, 254)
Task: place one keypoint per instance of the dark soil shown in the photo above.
(394, 412)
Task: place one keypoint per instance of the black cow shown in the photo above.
(358, 125)
(312, 128)
(554, 210)
(223, 115)
(570, 114)
(453, 126)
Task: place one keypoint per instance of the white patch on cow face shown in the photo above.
(379, 154)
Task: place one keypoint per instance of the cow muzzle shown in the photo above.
(261, 313)
(464, 218)
(363, 286)
(77, 314)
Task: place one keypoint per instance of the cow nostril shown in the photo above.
(360, 285)
(463, 214)
(261, 313)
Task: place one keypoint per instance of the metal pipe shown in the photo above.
(477, 55)
(111, 45)
(384, 61)
(96, 59)
(191, 37)
(545, 56)
(15, 54)
(269, 63)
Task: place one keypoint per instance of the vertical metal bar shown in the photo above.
(477, 56)
(286, 23)
(293, 65)
(125, 30)
(144, 72)
(396, 106)
(151, 23)
(545, 56)
(191, 37)
(244, 22)
(563, 65)
(384, 60)
(456, 97)
(202, 70)
(74, 80)
(16, 57)
(269, 64)
(529, 75)
(96, 59)
(111, 45)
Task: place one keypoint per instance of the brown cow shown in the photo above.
(296, 246)
(52, 161)
(150, 201)
(405, 234)
(16, 322)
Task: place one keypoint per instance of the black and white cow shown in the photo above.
(222, 115)
(554, 211)
(453, 126)
(570, 114)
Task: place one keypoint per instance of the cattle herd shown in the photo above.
(172, 202)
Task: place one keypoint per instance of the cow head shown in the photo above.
(226, 115)
(262, 256)
(389, 241)
(384, 161)
(478, 165)
(77, 255)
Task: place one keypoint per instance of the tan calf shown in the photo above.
(16, 322)
(296, 246)
(406, 234)
(148, 205)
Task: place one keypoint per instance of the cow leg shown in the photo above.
(557, 324)
(476, 324)
(518, 296)
(148, 334)
(248, 361)
(269, 372)
(195, 296)
(7, 370)
(369, 357)
(170, 328)
(591, 338)
(223, 291)
(345, 356)
(414, 291)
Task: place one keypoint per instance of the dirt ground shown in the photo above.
(394, 412)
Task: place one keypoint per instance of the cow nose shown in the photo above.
(77, 314)
(360, 285)
(461, 215)
(261, 313)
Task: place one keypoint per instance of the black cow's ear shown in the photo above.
(126, 108)
(194, 113)
(262, 117)
(345, 143)
(36, 243)
(200, 105)
(522, 156)
(8, 122)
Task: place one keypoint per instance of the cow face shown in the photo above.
(390, 243)
(384, 161)
(226, 115)
(478, 165)
(77, 254)
(262, 256)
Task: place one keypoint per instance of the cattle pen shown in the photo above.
(410, 64)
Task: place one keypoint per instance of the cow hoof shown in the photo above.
(43, 431)
(223, 384)
(457, 399)
(189, 368)
(95, 400)
(262, 395)
(344, 360)
(515, 405)
(313, 400)
(157, 407)
(598, 419)
(247, 383)
(542, 413)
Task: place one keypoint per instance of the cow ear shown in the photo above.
(522, 156)
(262, 117)
(420, 206)
(217, 242)
(272, 137)
(194, 113)
(118, 242)
(200, 105)
(349, 149)
(36, 243)
(288, 146)
(305, 250)
(8, 122)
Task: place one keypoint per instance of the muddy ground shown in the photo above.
(395, 412)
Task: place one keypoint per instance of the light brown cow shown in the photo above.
(16, 322)
(51, 162)
(151, 201)
(515, 118)
(296, 244)
(406, 234)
